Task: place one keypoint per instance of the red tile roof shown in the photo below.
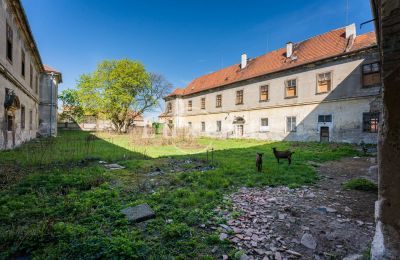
(327, 45)
(47, 68)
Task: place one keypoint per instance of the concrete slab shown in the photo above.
(138, 213)
(114, 166)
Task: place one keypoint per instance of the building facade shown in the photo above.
(21, 69)
(326, 88)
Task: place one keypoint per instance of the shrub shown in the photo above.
(360, 184)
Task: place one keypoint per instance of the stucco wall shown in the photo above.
(21, 135)
(11, 77)
(346, 102)
(346, 123)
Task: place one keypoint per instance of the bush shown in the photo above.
(360, 184)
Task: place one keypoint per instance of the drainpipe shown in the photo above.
(51, 101)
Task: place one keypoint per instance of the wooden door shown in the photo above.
(324, 134)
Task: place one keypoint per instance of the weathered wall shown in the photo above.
(346, 102)
(48, 106)
(11, 77)
(21, 135)
(386, 244)
(346, 123)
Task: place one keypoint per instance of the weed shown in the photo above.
(361, 184)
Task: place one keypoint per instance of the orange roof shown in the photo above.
(327, 45)
(47, 68)
(135, 116)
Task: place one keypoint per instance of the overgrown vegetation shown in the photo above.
(72, 209)
(361, 184)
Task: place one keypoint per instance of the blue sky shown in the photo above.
(179, 39)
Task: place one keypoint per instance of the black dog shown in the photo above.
(259, 161)
(283, 155)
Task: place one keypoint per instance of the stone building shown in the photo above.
(21, 69)
(326, 88)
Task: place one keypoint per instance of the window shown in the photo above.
(218, 126)
(263, 93)
(30, 120)
(324, 118)
(203, 126)
(9, 44)
(291, 88)
(22, 117)
(324, 82)
(169, 107)
(30, 76)
(190, 124)
(190, 105)
(239, 97)
(291, 124)
(370, 74)
(370, 122)
(37, 84)
(22, 63)
(239, 130)
(203, 103)
(10, 122)
(218, 102)
(264, 125)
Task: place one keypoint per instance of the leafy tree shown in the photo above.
(117, 87)
(72, 107)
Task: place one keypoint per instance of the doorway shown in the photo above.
(239, 130)
(324, 134)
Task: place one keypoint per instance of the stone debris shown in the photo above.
(138, 213)
(223, 236)
(308, 241)
(113, 166)
(283, 223)
(354, 257)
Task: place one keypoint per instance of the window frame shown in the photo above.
(169, 107)
(203, 103)
(218, 100)
(30, 119)
(190, 105)
(203, 126)
(291, 124)
(219, 126)
(370, 118)
(237, 101)
(264, 128)
(9, 43)
(287, 86)
(261, 91)
(23, 117)
(23, 63)
(324, 117)
(330, 84)
(31, 76)
(369, 73)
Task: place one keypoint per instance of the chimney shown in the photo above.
(243, 64)
(289, 49)
(351, 30)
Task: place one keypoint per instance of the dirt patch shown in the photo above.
(320, 222)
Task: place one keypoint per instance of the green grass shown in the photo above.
(361, 184)
(62, 208)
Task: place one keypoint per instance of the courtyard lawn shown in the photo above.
(57, 201)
